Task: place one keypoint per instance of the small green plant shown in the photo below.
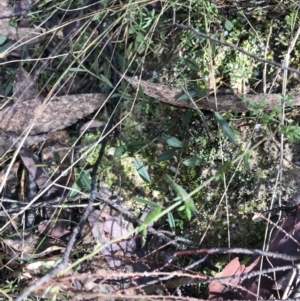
(291, 132)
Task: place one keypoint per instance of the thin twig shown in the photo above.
(234, 47)
(63, 263)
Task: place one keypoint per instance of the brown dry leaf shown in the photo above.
(58, 226)
(58, 114)
(24, 87)
(38, 171)
(225, 102)
(10, 188)
(30, 245)
(25, 244)
(21, 36)
(286, 241)
(5, 8)
(224, 290)
(105, 228)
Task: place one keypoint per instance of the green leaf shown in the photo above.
(25, 52)
(193, 161)
(84, 181)
(4, 47)
(171, 222)
(200, 91)
(8, 88)
(167, 155)
(106, 80)
(287, 100)
(152, 215)
(191, 64)
(187, 96)
(213, 48)
(172, 141)
(120, 151)
(2, 39)
(139, 43)
(225, 127)
(188, 213)
(191, 205)
(258, 107)
(97, 17)
(181, 208)
(173, 185)
(150, 218)
(278, 109)
(262, 103)
(224, 168)
(187, 117)
(77, 69)
(246, 160)
(75, 189)
(228, 25)
(145, 202)
(142, 171)
(136, 145)
(192, 93)
(180, 191)
(56, 157)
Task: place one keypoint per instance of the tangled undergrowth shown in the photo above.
(169, 179)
